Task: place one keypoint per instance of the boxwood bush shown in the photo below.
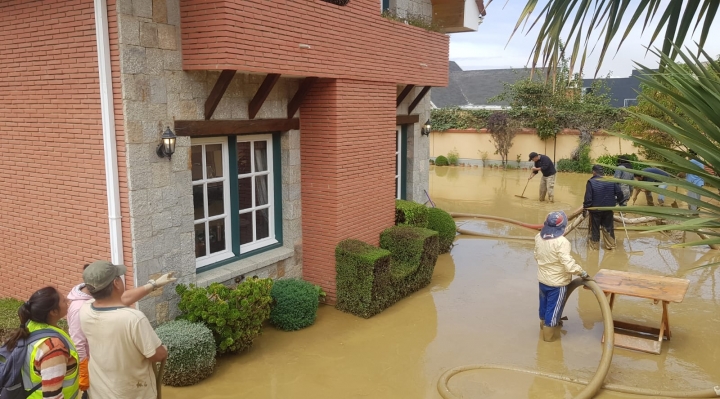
(295, 304)
(410, 213)
(191, 352)
(234, 315)
(444, 224)
(441, 160)
(371, 279)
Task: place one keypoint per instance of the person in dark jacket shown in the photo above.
(547, 183)
(648, 193)
(622, 173)
(601, 193)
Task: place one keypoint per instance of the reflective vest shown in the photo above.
(31, 378)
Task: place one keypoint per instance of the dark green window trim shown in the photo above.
(235, 213)
(403, 162)
(385, 4)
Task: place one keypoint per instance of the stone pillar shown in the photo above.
(347, 144)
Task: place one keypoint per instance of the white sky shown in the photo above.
(486, 48)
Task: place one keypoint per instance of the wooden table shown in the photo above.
(657, 288)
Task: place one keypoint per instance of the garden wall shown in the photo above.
(470, 143)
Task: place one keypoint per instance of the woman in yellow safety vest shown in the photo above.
(53, 362)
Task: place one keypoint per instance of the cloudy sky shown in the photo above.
(486, 48)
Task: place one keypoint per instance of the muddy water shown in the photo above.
(481, 307)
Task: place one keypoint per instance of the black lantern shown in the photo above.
(167, 144)
(427, 127)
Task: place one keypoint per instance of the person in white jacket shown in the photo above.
(555, 270)
(78, 296)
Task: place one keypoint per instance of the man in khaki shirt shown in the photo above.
(124, 344)
(555, 270)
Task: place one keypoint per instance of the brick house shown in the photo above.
(298, 123)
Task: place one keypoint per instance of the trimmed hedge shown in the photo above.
(444, 224)
(441, 160)
(234, 315)
(191, 352)
(410, 213)
(370, 279)
(296, 304)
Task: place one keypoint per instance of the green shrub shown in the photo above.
(295, 304)
(566, 165)
(410, 213)
(371, 279)
(443, 223)
(191, 352)
(440, 160)
(453, 157)
(234, 315)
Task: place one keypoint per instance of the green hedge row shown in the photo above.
(370, 279)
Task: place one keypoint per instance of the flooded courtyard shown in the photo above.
(481, 307)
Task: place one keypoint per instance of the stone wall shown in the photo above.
(412, 7)
(155, 92)
(418, 147)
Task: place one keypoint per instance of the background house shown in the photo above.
(474, 89)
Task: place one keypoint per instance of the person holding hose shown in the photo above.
(555, 270)
(547, 183)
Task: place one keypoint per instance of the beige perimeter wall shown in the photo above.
(471, 143)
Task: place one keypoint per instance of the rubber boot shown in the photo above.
(551, 334)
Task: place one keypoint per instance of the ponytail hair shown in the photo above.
(37, 309)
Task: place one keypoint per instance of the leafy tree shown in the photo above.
(502, 134)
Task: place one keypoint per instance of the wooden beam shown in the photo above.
(417, 99)
(407, 119)
(226, 127)
(299, 96)
(403, 94)
(217, 92)
(262, 94)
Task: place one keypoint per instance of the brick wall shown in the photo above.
(53, 216)
(347, 150)
(352, 41)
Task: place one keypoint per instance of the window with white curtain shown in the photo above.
(234, 196)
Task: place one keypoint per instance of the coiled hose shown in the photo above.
(596, 383)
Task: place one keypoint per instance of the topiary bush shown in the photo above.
(410, 213)
(191, 352)
(371, 279)
(234, 315)
(441, 160)
(295, 304)
(443, 223)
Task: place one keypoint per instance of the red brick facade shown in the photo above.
(53, 212)
(347, 149)
(351, 41)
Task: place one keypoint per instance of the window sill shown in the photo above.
(243, 266)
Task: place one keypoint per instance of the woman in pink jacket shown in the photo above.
(78, 296)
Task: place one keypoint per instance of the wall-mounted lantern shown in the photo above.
(427, 127)
(167, 144)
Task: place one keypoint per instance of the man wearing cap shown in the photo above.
(555, 270)
(601, 193)
(547, 183)
(124, 343)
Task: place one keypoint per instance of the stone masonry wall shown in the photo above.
(412, 7)
(155, 92)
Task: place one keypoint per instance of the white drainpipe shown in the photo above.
(108, 128)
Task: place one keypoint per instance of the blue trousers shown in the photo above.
(551, 304)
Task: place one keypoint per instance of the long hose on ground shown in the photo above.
(596, 383)
(576, 222)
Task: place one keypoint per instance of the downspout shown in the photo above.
(108, 129)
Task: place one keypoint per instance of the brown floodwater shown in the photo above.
(481, 307)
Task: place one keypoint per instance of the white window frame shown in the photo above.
(228, 252)
(398, 162)
(257, 244)
(625, 102)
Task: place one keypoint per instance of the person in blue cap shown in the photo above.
(555, 270)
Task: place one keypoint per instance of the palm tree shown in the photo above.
(585, 17)
(693, 84)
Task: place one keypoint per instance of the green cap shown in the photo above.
(100, 274)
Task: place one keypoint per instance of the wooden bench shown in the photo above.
(657, 288)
